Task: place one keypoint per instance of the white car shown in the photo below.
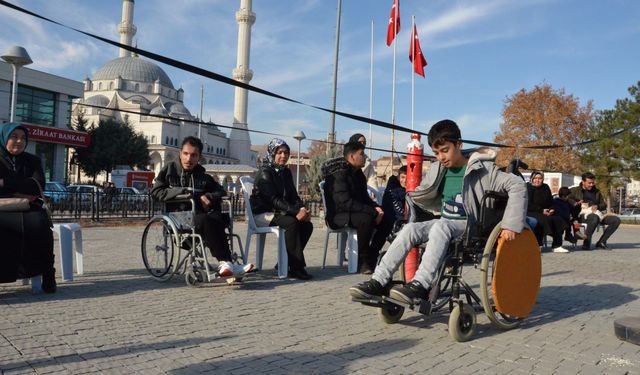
(630, 212)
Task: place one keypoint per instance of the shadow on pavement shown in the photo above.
(292, 362)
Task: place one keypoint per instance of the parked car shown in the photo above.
(56, 192)
(134, 198)
(630, 212)
(82, 194)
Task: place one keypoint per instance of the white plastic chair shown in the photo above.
(347, 237)
(261, 232)
(375, 194)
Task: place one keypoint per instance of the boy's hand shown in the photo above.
(507, 234)
(380, 213)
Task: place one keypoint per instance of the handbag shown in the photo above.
(14, 204)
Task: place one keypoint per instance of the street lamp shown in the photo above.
(299, 136)
(18, 57)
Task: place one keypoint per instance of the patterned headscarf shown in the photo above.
(272, 148)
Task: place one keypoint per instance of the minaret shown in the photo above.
(239, 140)
(126, 28)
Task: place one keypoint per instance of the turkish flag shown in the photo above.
(414, 49)
(394, 22)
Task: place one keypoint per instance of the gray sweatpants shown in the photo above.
(438, 234)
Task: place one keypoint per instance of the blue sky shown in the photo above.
(479, 52)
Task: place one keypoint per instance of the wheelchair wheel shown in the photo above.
(487, 268)
(390, 313)
(193, 277)
(158, 248)
(462, 322)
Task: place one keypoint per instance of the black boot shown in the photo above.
(49, 281)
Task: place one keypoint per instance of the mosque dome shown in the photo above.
(159, 110)
(179, 109)
(133, 69)
(97, 100)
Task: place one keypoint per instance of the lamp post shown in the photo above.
(18, 57)
(299, 136)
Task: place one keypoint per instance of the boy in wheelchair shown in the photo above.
(187, 178)
(454, 186)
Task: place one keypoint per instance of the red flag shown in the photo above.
(394, 22)
(419, 62)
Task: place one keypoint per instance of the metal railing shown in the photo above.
(98, 206)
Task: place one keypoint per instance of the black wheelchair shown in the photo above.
(499, 297)
(171, 246)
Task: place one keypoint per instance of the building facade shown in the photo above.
(43, 105)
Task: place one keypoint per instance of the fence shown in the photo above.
(98, 206)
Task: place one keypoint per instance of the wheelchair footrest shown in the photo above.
(373, 302)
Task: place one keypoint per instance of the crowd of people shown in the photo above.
(448, 189)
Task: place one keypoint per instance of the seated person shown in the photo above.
(590, 205)
(349, 203)
(275, 201)
(27, 239)
(393, 205)
(187, 176)
(454, 186)
(540, 207)
(563, 209)
(368, 170)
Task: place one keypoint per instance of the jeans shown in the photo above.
(437, 233)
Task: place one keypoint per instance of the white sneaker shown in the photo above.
(560, 249)
(225, 269)
(239, 269)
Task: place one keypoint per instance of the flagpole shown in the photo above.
(371, 94)
(393, 87)
(413, 74)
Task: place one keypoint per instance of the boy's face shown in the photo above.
(449, 154)
(402, 178)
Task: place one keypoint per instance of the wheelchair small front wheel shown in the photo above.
(390, 313)
(462, 322)
(193, 277)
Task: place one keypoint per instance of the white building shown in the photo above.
(134, 84)
(43, 105)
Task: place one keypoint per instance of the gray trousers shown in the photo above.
(438, 234)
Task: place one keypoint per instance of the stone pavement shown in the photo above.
(116, 319)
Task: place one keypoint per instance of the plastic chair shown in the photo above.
(347, 237)
(261, 232)
(375, 194)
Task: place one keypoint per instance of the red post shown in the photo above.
(414, 177)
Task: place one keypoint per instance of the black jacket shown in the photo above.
(274, 191)
(577, 194)
(173, 181)
(28, 170)
(393, 199)
(539, 198)
(345, 190)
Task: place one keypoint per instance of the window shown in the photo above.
(110, 85)
(136, 87)
(99, 85)
(35, 106)
(153, 139)
(166, 141)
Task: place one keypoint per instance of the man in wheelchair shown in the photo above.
(187, 177)
(454, 186)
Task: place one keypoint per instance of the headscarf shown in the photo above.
(5, 133)
(535, 173)
(272, 148)
(355, 137)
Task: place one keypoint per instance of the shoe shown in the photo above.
(366, 270)
(300, 274)
(49, 281)
(602, 245)
(408, 293)
(586, 245)
(249, 267)
(369, 289)
(560, 249)
(579, 235)
(570, 238)
(225, 269)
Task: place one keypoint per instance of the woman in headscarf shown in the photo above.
(540, 206)
(27, 239)
(368, 170)
(275, 202)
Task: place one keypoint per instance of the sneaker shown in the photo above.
(368, 289)
(560, 249)
(239, 269)
(586, 245)
(300, 274)
(570, 238)
(225, 269)
(602, 245)
(408, 293)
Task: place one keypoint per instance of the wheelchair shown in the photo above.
(509, 276)
(171, 246)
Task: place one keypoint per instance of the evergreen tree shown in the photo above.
(614, 160)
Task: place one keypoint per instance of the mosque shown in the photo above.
(144, 90)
